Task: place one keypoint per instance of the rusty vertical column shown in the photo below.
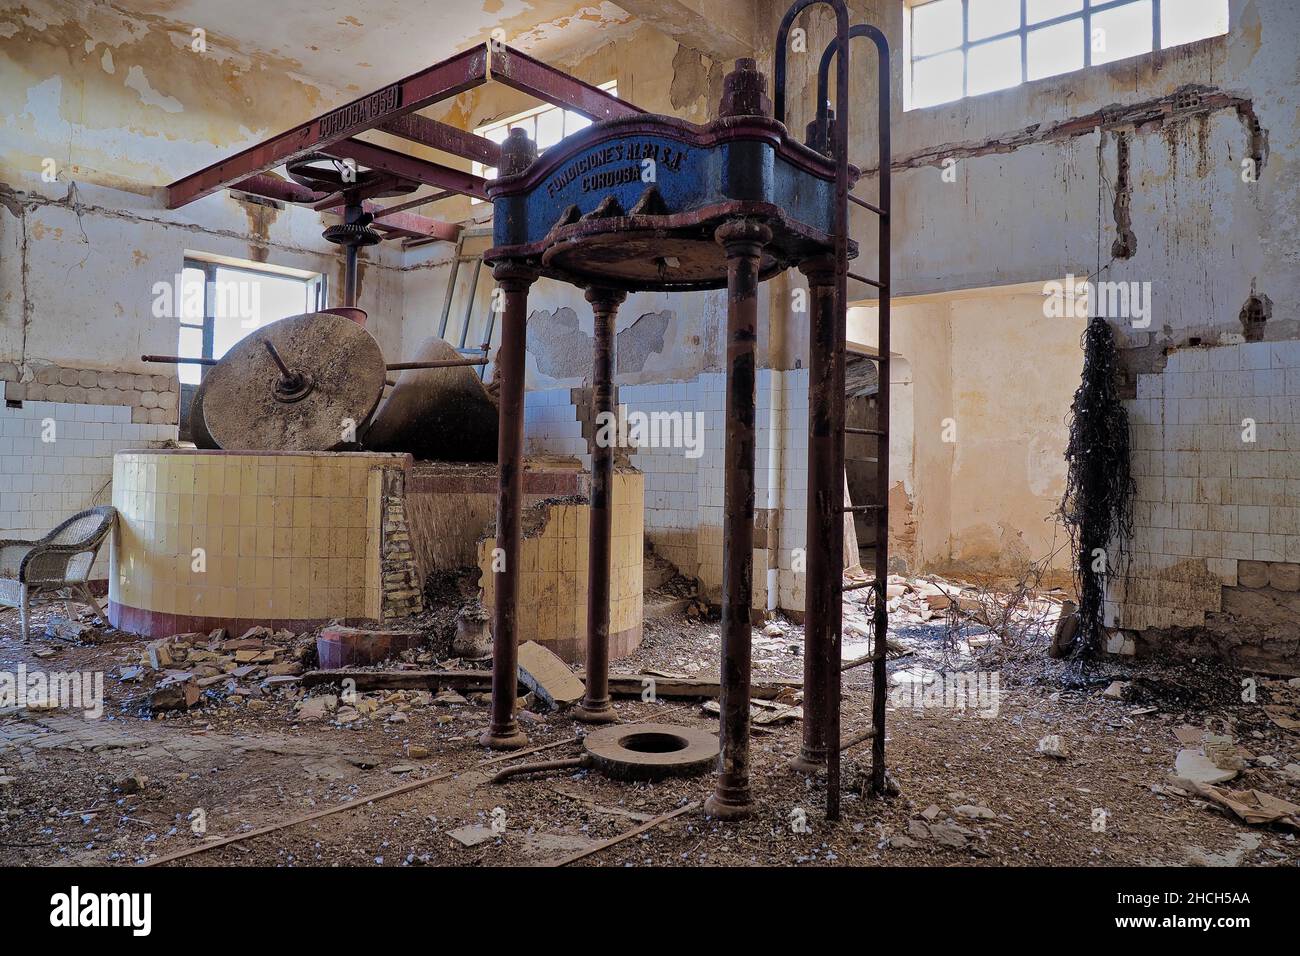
(743, 241)
(824, 542)
(596, 707)
(513, 279)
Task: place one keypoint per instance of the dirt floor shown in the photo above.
(975, 785)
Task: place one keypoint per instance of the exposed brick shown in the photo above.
(1283, 576)
(1252, 574)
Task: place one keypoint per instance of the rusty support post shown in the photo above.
(879, 675)
(825, 527)
(743, 241)
(513, 278)
(596, 707)
(349, 276)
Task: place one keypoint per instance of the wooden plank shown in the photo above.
(542, 672)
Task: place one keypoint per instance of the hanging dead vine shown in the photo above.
(1098, 505)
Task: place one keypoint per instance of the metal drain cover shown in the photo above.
(651, 751)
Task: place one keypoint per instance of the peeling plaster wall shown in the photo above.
(116, 107)
(980, 504)
(1038, 168)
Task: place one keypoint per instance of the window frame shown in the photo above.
(480, 169)
(316, 283)
(1089, 9)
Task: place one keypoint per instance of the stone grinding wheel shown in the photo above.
(249, 404)
(198, 427)
(437, 414)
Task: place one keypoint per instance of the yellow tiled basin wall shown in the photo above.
(211, 538)
(553, 581)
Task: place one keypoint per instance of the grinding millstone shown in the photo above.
(247, 403)
(198, 427)
(437, 414)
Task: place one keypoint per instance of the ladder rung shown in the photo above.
(880, 359)
(866, 205)
(859, 586)
(863, 508)
(870, 282)
(863, 431)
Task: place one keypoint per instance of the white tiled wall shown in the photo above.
(684, 496)
(1206, 498)
(551, 425)
(42, 482)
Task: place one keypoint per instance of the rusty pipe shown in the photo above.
(541, 766)
(438, 363)
(743, 241)
(178, 360)
(596, 707)
(513, 277)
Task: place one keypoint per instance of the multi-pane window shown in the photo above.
(545, 126)
(962, 48)
(217, 304)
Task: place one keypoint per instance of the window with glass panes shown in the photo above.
(545, 126)
(959, 48)
(220, 303)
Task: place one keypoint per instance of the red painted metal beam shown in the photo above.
(535, 78)
(412, 225)
(408, 167)
(270, 186)
(438, 82)
(440, 136)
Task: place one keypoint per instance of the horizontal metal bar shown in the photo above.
(535, 78)
(867, 205)
(431, 85)
(870, 282)
(444, 138)
(863, 431)
(440, 363)
(858, 586)
(417, 203)
(270, 186)
(869, 356)
(177, 360)
(862, 508)
(408, 167)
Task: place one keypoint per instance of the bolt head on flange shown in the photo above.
(744, 91)
(518, 152)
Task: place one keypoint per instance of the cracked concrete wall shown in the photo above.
(1135, 169)
(117, 107)
(977, 434)
(98, 112)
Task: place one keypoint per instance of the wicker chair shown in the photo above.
(60, 560)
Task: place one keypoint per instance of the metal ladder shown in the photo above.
(471, 290)
(825, 590)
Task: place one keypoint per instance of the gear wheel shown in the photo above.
(352, 234)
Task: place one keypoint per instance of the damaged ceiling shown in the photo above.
(360, 44)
